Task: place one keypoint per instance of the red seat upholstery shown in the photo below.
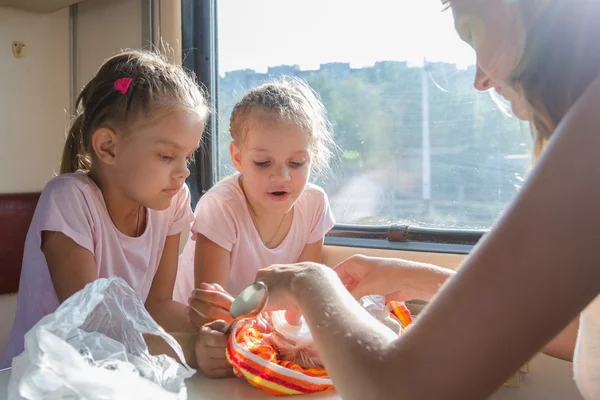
(16, 212)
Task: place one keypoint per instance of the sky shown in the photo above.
(256, 34)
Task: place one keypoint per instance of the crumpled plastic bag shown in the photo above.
(92, 347)
(376, 306)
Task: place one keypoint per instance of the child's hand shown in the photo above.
(209, 302)
(210, 350)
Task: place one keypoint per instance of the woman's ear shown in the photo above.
(104, 141)
(236, 155)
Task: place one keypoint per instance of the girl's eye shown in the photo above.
(294, 164)
(262, 164)
(166, 158)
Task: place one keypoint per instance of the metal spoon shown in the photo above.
(249, 303)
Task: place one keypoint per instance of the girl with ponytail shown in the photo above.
(120, 202)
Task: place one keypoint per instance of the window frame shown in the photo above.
(200, 55)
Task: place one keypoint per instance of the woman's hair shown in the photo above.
(288, 100)
(130, 90)
(560, 59)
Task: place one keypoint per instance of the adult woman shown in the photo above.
(530, 276)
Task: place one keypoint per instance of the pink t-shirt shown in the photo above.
(223, 217)
(73, 205)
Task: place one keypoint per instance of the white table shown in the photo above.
(548, 379)
(201, 388)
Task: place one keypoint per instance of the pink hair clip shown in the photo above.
(122, 84)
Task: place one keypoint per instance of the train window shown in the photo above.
(418, 145)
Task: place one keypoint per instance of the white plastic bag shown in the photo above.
(92, 347)
(375, 305)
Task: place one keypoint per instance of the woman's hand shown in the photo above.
(208, 303)
(364, 275)
(396, 279)
(286, 282)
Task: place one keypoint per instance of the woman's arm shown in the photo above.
(397, 279)
(403, 280)
(523, 283)
(170, 314)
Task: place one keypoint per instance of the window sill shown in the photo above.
(404, 237)
(384, 244)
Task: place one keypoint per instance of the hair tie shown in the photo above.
(122, 84)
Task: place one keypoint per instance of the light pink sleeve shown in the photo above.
(182, 212)
(322, 218)
(63, 207)
(215, 220)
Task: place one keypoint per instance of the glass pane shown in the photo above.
(419, 144)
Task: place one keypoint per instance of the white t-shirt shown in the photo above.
(586, 361)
